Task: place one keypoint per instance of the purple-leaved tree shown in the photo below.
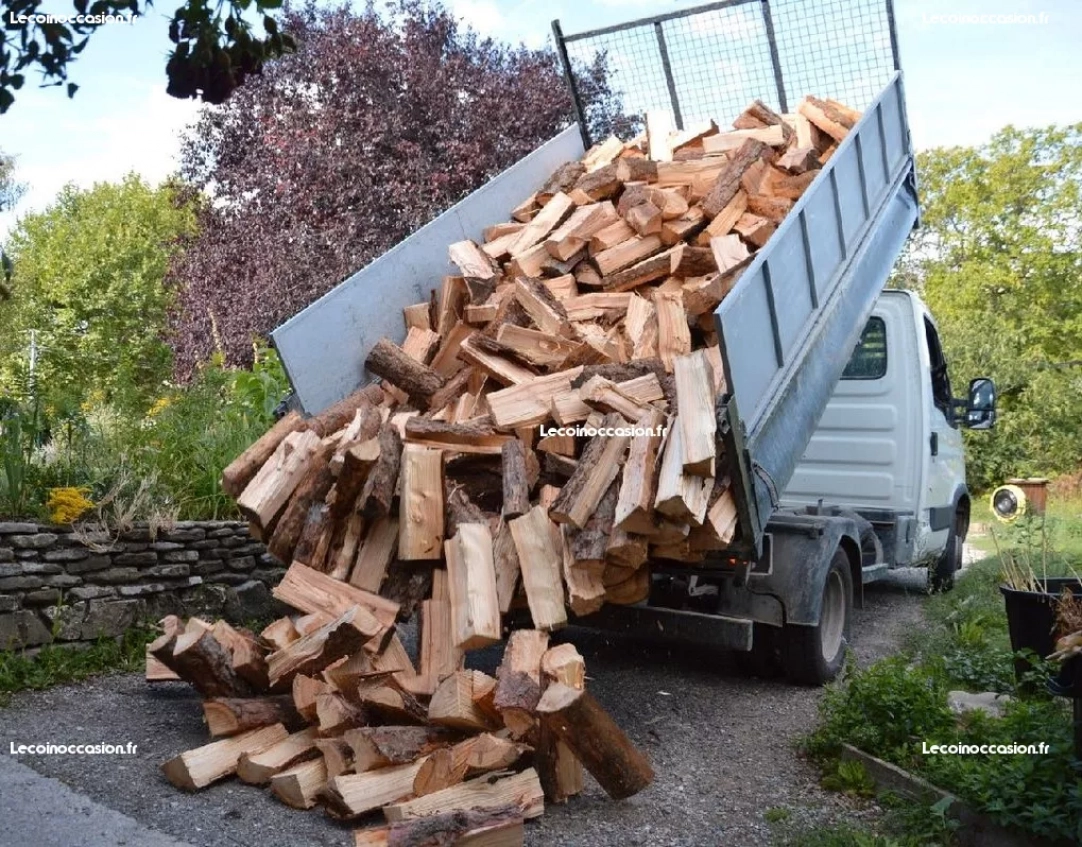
(376, 124)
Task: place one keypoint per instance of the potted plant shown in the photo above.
(1032, 601)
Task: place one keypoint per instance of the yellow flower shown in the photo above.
(67, 505)
(159, 406)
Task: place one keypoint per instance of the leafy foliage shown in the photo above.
(54, 665)
(885, 710)
(89, 279)
(998, 259)
(214, 51)
(159, 466)
(377, 123)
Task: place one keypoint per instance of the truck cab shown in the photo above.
(889, 446)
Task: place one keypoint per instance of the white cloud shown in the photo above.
(483, 15)
(100, 139)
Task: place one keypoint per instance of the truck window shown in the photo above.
(870, 358)
(941, 383)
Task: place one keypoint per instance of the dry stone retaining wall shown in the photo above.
(61, 585)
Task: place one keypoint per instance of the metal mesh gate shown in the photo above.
(711, 61)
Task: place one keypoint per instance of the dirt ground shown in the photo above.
(721, 745)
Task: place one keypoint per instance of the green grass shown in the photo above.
(902, 824)
(54, 665)
(889, 708)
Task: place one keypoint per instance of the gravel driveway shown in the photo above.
(721, 745)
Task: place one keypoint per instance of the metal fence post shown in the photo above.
(768, 22)
(669, 81)
(569, 75)
(892, 27)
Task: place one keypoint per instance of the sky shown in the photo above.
(964, 80)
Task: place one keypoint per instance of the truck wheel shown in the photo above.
(814, 655)
(941, 574)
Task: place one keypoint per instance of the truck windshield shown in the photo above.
(870, 358)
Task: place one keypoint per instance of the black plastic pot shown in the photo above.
(1031, 618)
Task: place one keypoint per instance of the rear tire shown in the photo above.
(815, 655)
(763, 659)
(941, 574)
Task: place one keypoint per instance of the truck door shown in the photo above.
(946, 462)
(865, 453)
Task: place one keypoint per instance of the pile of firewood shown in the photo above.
(458, 485)
(329, 710)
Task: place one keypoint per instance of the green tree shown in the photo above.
(998, 260)
(10, 192)
(88, 280)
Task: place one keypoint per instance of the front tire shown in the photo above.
(941, 574)
(815, 655)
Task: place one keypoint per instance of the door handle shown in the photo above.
(935, 443)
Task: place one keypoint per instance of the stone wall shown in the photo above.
(61, 585)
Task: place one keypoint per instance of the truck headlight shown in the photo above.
(1008, 503)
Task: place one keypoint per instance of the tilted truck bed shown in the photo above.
(787, 329)
(789, 326)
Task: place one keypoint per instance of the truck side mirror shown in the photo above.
(981, 406)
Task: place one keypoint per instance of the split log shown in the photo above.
(579, 721)
(200, 659)
(473, 437)
(450, 766)
(558, 768)
(471, 574)
(518, 680)
(158, 671)
(460, 702)
(498, 827)
(674, 336)
(337, 756)
(335, 714)
(314, 592)
(311, 490)
(826, 117)
(728, 181)
(695, 409)
(522, 791)
(516, 488)
(305, 690)
(680, 495)
(506, 563)
(597, 468)
(300, 785)
(378, 491)
(258, 768)
(356, 794)
(198, 768)
(239, 472)
(378, 747)
(420, 518)
(637, 487)
(550, 217)
(226, 716)
(541, 562)
(270, 489)
(376, 554)
(343, 636)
